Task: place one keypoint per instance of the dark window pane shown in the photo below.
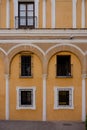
(26, 14)
(63, 97)
(25, 65)
(63, 66)
(26, 97)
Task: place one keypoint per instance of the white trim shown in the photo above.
(44, 13)
(83, 99)
(3, 51)
(44, 97)
(74, 12)
(62, 42)
(18, 107)
(56, 89)
(26, 44)
(83, 13)
(7, 14)
(37, 13)
(53, 13)
(29, 43)
(46, 32)
(15, 12)
(66, 44)
(7, 96)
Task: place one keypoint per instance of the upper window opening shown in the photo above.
(63, 65)
(26, 15)
(25, 65)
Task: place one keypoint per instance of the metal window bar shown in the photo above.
(26, 22)
(62, 71)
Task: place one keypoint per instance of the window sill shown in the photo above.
(25, 76)
(25, 108)
(64, 76)
(62, 108)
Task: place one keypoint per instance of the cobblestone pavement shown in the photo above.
(39, 125)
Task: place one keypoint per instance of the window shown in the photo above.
(26, 14)
(63, 98)
(63, 65)
(26, 65)
(26, 98)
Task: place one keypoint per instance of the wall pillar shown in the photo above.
(7, 14)
(44, 13)
(83, 98)
(44, 96)
(15, 13)
(53, 13)
(83, 13)
(74, 12)
(7, 96)
(36, 13)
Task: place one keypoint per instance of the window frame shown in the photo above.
(56, 97)
(26, 54)
(69, 69)
(19, 106)
(26, 16)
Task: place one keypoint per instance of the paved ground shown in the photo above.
(38, 125)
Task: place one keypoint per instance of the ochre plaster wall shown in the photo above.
(63, 13)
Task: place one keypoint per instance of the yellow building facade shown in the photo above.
(43, 60)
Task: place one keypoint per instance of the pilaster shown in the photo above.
(83, 13)
(44, 96)
(7, 96)
(44, 13)
(83, 97)
(53, 13)
(7, 14)
(74, 2)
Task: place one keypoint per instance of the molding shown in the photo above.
(31, 45)
(3, 51)
(64, 44)
(45, 32)
(34, 103)
(56, 88)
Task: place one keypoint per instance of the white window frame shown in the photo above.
(18, 89)
(16, 11)
(56, 90)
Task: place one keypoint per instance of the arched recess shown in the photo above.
(69, 48)
(25, 48)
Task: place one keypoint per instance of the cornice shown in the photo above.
(43, 32)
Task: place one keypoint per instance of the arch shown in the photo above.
(25, 47)
(70, 48)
